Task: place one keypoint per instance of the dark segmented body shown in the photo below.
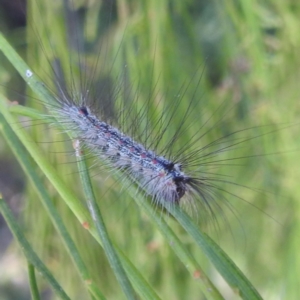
(160, 178)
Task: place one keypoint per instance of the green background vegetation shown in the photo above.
(246, 55)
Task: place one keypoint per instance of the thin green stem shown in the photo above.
(180, 250)
(177, 246)
(28, 251)
(32, 281)
(99, 223)
(227, 268)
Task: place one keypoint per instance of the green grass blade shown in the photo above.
(227, 268)
(207, 287)
(100, 225)
(180, 250)
(28, 251)
(26, 73)
(32, 281)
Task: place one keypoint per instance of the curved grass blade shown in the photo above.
(32, 281)
(100, 225)
(28, 251)
(227, 268)
(207, 287)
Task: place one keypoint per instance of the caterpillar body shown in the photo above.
(159, 177)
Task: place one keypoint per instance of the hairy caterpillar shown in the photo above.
(147, 136)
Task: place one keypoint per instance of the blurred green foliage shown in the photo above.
(238, 61)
